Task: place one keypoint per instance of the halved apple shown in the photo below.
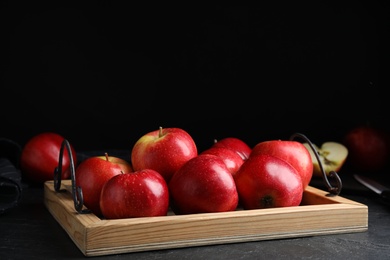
(331, 154)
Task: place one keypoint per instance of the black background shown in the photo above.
(105, 73)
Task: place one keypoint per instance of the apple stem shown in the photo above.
(106, 154)
(160, 133)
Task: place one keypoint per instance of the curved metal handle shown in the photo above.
(333, 191)
(76, 191)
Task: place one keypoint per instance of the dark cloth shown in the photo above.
(10, 175)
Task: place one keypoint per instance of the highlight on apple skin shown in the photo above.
(232, 159)
(92, 173)
(40, 156)
(293, 152)
(267, 181)
(203, 185)
(142, 193)
(236, 144)
(164, 150)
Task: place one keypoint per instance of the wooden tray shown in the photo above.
(318, 214)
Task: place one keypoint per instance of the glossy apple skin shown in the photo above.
(236, 144)
(141, 193)
(203, 185)
(266, 181)
(91, 175)
(293, 152)
(231, 158)
(164, 150)
(369, 148)
(40, 156)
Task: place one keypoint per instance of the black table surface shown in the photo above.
(30, 232)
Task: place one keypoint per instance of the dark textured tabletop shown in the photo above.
(30, 232)
(257, 72)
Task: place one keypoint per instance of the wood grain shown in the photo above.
(319, 214)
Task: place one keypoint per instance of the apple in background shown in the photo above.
(164, 150)
(293, 152)
(369, 148)
(142, 193)
(232, 159)
(266, 181)
(236, 144)
(40, 156)
(332, 156)
(92, 173)
(203, 185)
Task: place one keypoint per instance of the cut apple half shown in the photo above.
(331, 154)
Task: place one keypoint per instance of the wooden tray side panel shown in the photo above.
(61, 206)
(314, 196)
(232, 227)
(319, 215)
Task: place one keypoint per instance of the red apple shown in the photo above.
(92, 173)
(142, 193)
(40, 156)
(231, 158)
(369, 149)
(164, 150)
(203, 185)
(293, 152)
(266, 181)
(236, 144)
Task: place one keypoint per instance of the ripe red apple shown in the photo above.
(293, 152)
(40, 156)
(203, 185)
(236, 144)
(231, 158)
(266, 181)
(164, 150)
(369, 148)
(92, 173)
(142, 193)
